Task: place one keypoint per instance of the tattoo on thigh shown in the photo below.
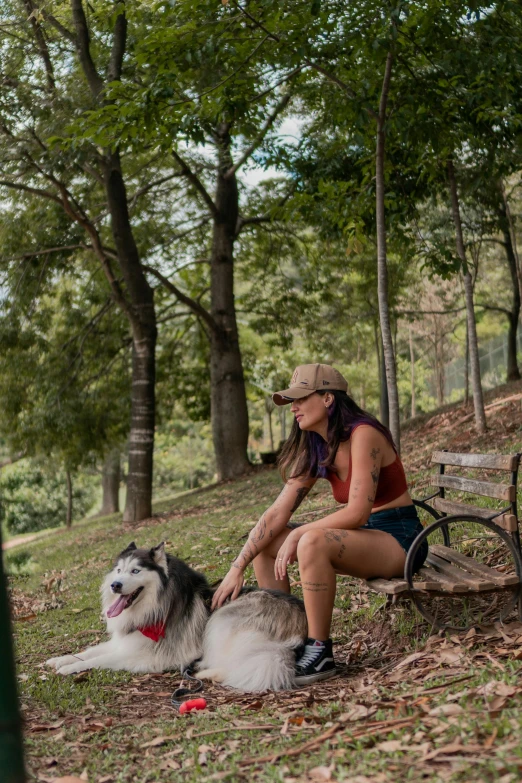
(335, 535)
(340, 553)
(302, 492)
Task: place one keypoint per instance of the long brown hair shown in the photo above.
(307, 454)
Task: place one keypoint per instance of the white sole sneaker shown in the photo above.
(307, 679)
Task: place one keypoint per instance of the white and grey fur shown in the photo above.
(247, 644)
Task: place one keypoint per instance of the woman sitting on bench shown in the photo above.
(369, 537)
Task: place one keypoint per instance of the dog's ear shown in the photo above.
(159, 556)
(130, 548)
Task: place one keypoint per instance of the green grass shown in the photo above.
(100, 720)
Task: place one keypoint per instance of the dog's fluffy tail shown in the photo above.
(247, 660)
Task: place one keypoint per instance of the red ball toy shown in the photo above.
(192, 704)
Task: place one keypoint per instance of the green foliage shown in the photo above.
(183, 458)
(34, 496)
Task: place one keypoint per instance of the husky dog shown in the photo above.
(157, 611)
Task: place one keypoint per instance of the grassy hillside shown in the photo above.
(406, 706)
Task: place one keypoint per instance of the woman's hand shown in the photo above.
(229, 587)
(287, 554)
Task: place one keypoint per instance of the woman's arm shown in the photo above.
(272, 522)
(367, 448)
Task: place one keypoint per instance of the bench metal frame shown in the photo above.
(442, 521)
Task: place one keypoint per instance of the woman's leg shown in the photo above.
(264, 565)
(323, 553)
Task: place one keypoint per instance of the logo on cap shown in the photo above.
(326, 383)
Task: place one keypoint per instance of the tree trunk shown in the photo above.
(382, 267)
(111, 483)
(384, 412)
(228, 395)
(478, 400)
(142, 318)
(11, 739)
(512, 370)
(69, 512)
(512, 237)
(282, 419)
(384, 402)
(412, 362)
(466, 369)
(439, 362)
(270, 430)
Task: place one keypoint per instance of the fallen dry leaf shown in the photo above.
(454, 747)
(357, 712)
(390, 746)
(446, 709)
(497, 704)
(157, 741)
(321, 773)
(69, 779)
(38, 727)
(169, 764)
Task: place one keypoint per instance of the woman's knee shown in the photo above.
(311, 544)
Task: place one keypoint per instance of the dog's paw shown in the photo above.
(216, 675)
(71, 668)
(61, 660)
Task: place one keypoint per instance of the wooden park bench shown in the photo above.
(473, 572)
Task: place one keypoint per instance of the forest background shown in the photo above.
(198, 196)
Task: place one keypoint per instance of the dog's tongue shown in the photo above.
(118, 606)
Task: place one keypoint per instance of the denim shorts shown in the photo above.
(404, 525)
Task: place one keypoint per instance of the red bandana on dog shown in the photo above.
(154, 632)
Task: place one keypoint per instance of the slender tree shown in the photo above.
(478, 399)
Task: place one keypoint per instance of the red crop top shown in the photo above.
(391, 485)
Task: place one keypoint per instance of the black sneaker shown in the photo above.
(316, 662)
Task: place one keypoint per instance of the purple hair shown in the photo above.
(308, 454)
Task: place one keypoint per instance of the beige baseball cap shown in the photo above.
(308, 378)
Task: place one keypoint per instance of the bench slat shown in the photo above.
(388, 586)
(470, 565)
(443, 582)
(486, 488)
(491, 461)
(397, 586)
(506, 521)
(476, 583)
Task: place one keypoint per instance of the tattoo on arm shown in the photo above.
(258, 533)
(302, 492)
(251, 548)
(374, 473)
